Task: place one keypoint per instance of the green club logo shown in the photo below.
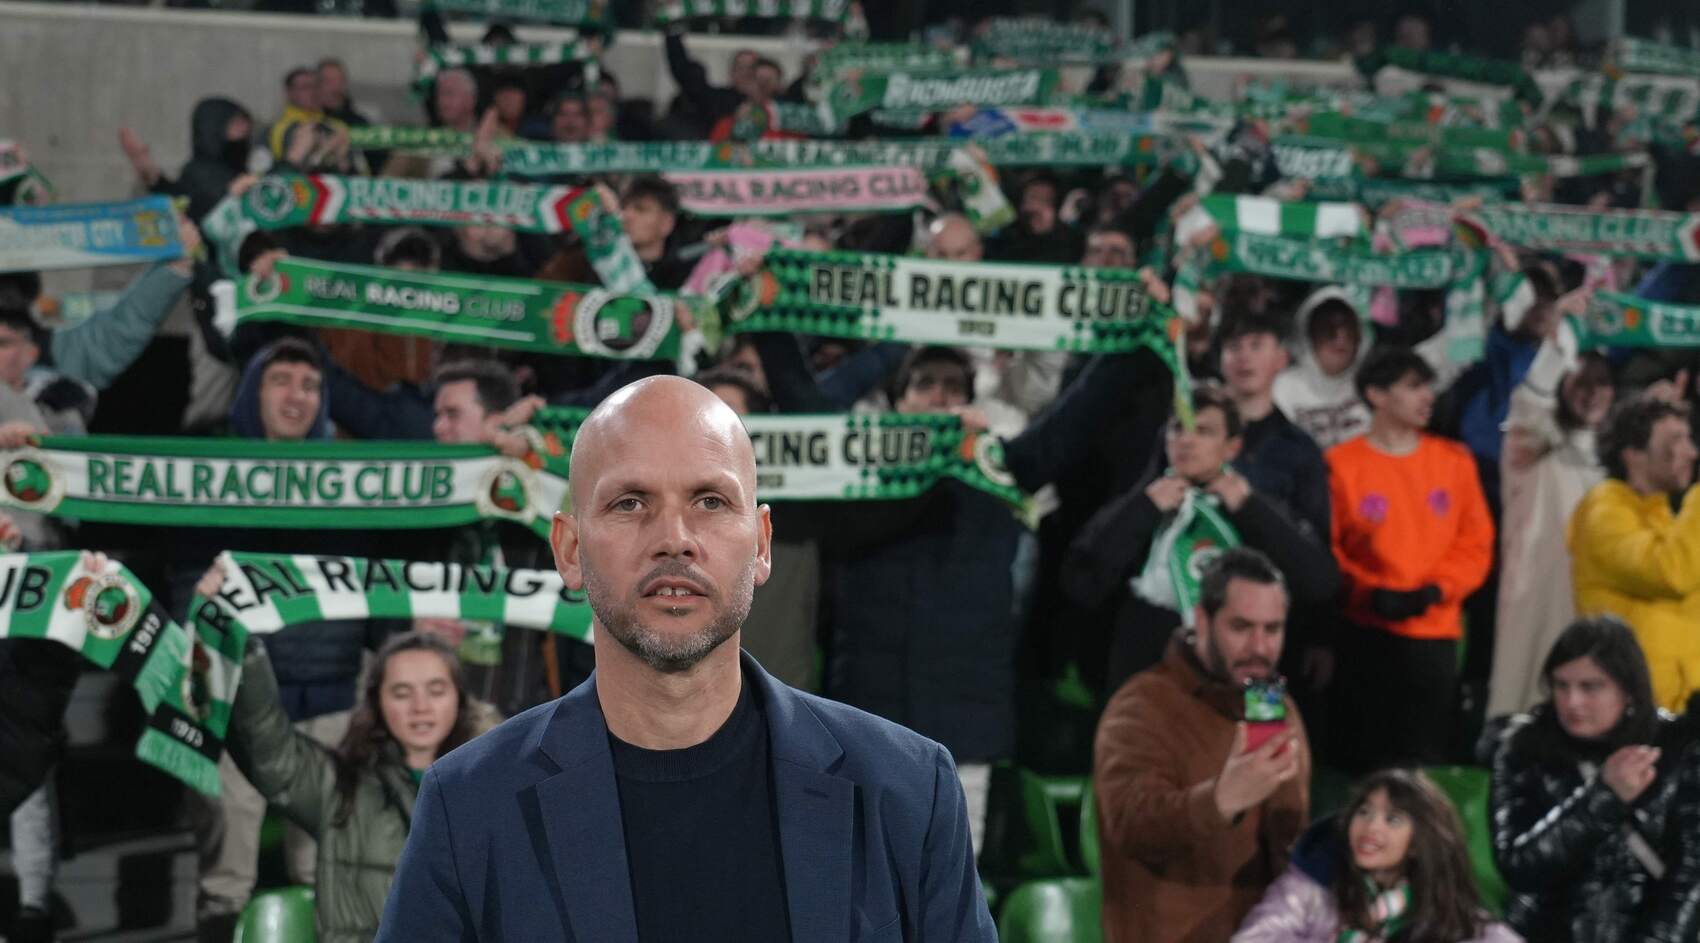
(627, 327)
(33, 482)
(272, 198)
(988, 457)
(110, 605)
(197, 682)
(505, 491)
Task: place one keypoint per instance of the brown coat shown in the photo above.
(1174, 871)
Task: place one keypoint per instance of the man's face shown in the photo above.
(743, 72)
(647, 222)
(665, 538)
(1670, 456)
(1039, 207)
(333, 86)
(935, 387)
(289, 400)
(767, 83)
(1334, 341)
(510, 105)
(1243, 642)
(1409, 402)
(571, 123)
(303, 90)
(17, 355)
(1250, 363)
(459, 413)
(455, 99)
(601, 116)
(1108, 250)
(1198, 454)
(954, 240)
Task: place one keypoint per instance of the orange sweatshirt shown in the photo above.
(1403, 522)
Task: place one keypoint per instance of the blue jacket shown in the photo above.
(517, 835)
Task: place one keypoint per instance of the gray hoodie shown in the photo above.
(1325, 407)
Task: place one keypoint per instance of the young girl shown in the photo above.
(1393, 868)
(357, 801)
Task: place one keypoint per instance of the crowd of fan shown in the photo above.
(1385, 497)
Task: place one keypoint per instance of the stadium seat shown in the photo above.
(1089, 830)
(1031, 824)
(1059, 910)
(1467, 787)
(281, 916)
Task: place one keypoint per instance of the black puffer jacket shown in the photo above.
(1563, 844)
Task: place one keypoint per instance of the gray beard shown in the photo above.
(666, 652)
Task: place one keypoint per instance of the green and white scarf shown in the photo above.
(1270, 217)
(940, 90)
(976, 185)
(1376, 192)
(1387, 911)
(431, 142)
(1619, 320)
(860, 456)
(835, 11)
(266, 593)
(511, 313)
(881, 57)
(1629, 54)
(172, 482)
(1665, 99)
(1314, 261)
(1185, 543)
(591, 14)
(1340, 127)
(1652, 234)
(1073, 149)
(282, 201)
(1039, 40)
(762, 192)
(444, 57)
(30, 188)
(1009, 306)
(1445, 65)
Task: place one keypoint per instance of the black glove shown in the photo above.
(1396, 605)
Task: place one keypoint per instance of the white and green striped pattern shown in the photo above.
(1269, 217)
(443, 57)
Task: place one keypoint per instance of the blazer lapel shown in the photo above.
(580, 808)
(816, 814)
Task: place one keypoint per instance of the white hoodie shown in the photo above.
(1325, 407)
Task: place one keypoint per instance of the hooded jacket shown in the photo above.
(316, 662)
(1300, 907)
(214, 161)
(1328, 408)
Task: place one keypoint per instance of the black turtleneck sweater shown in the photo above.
(702, 836)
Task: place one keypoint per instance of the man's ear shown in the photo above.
(1232, 450)
(563, 539)
(764, 544)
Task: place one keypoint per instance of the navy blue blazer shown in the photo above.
(517, 835)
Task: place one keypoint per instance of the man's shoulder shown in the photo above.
(507, 750)
(874, 747)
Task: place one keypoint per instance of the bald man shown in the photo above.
(682, 793)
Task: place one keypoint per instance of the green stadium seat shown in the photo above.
(1089, 830)
(1467, 787)
(281, 916)
(1031, 825)
(1059, 910)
